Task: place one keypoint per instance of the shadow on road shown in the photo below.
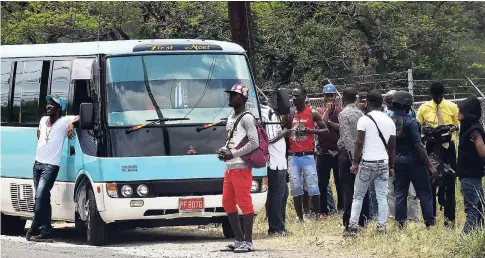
(138, 237)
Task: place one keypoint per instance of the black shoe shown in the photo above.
(42, 237)
(31, 233)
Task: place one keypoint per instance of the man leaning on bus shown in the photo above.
(51, 134)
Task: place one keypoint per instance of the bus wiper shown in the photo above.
(154, 121)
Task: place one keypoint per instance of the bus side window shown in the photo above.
(61, 75)
(27, 90)
(4, 90)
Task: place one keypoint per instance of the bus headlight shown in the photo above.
(112, 190)
(142, 190)
(255, 186)
(126, 191)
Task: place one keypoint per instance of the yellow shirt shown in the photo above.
(427, 114)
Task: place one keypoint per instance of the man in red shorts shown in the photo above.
(238, 177)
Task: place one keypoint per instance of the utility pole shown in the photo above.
(241, 21)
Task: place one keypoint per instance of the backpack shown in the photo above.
(260, 156)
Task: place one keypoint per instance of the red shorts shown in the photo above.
(237, 191)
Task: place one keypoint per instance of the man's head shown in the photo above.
(238, 95)
(388, 99)
(470, 110)
(402, 101)
(299, 95)
(329, 93)
(437, 91)
(349, 96)
(55, 105)
(362, 99)
(374, 99)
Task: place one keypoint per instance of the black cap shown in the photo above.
(375, 97)
(403, 98)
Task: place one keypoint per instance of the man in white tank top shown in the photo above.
(238, 177)
(51, 134)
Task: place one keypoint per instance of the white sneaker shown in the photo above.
(244, 248)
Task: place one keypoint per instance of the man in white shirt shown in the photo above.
(375, 151)
(51, 134)
(277, 169)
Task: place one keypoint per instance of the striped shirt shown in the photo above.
(277, 150)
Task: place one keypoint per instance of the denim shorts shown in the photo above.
(304, 165)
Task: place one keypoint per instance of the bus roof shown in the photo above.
(102, 47)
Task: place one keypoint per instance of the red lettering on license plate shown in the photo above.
(191, 204)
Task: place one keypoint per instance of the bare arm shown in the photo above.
(359, 146)
(326, 120)
(391, 151)
(317, 118)
(479, 145)
(248, 124)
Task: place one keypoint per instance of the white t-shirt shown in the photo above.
(374, 149)
(51, 139)
(277, 150)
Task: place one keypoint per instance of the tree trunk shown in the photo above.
(241, 21)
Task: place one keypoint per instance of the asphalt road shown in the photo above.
(160, 242)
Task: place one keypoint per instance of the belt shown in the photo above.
(302, 153)
(374, 161)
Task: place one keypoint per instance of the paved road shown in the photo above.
(161, 242)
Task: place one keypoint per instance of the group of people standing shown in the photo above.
(386, 159)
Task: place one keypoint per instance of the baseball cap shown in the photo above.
(57, 100)
(329, 88)
(403, 98)
(239, 88)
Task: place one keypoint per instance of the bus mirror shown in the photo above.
(283, 101)
(86, 116)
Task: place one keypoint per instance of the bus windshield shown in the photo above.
(190, 86)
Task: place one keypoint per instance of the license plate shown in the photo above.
(189, 205)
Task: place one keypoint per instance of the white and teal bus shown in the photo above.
(139, 158)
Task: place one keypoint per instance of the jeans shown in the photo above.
(44, 176)
(305, 165)
(277, 197)
(330, 199)
(413, 201)
(326, 163)
(372, 201)
(474, 198)
(370, 172)
(410, 170)
(347, 181)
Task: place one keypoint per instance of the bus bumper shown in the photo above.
(167, 208)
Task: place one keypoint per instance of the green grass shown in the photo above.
(325, 238)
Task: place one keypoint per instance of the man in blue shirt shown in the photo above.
(411, 161)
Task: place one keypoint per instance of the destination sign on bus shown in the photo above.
(175, 47)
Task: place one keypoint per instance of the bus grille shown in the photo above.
(22, 197)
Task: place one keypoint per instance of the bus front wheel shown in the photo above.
(12, 225)
(96, 228)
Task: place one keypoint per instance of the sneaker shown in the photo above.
(233, 245)
(30, 233)
(381, 229)
(42, 237)
(244, 248)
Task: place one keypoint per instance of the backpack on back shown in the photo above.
(260, 156)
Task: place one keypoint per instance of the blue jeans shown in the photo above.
(277, 197)
(473, 196)
(44, 176)
(409, 170)
(372, 201)
(305, 165)
(378, 173)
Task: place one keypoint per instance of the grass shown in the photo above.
(325, 238)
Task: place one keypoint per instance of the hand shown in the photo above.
(354, 168)
(226, 155)
(70, 131)
(391, 171)
(328, 106)
(453, 128)
(308, 131)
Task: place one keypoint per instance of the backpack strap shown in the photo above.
(378, 130)
(231, 134)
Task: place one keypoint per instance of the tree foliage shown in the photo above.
(303, 42)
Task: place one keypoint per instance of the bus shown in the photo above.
(143, 154)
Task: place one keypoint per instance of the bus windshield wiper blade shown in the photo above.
(154, 121)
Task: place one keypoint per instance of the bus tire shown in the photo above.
(96, 228)
(79, 224)
(12, 225)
